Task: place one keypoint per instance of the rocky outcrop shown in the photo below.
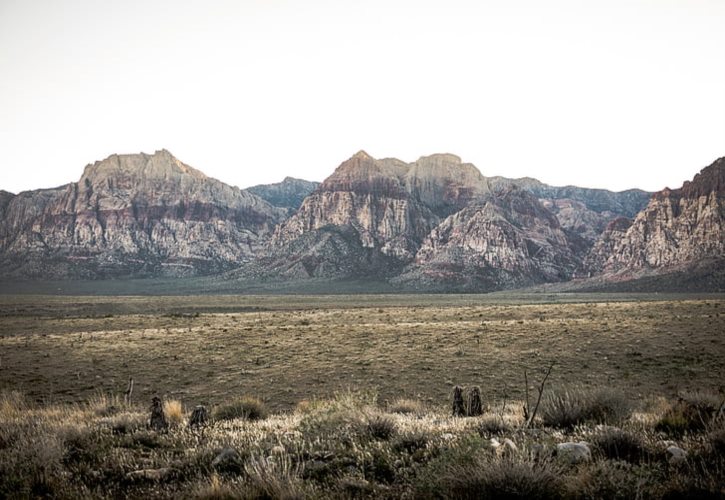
(677, 228)
(606, 243)
(576, 218)
(134, 215)
(288, 194)
(510, 240)
(625, 203)
(371, 198)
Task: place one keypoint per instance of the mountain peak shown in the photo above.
(159, 165)
(362, 155)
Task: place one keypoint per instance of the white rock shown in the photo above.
(676, 455)
(574, 453)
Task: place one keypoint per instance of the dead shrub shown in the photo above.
(246, 408)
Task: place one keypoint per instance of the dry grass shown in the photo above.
(392, 435)
(174, 412)
(53, 353)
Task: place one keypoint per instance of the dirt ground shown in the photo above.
(287, 349)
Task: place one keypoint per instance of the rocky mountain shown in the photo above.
(386, 207)
(625, 203)
(434, 224)
(678, 228)
(287, 194)
(509, 240)
(131, 215)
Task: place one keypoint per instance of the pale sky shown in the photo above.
(612, 93)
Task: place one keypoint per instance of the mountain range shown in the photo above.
(436, 224)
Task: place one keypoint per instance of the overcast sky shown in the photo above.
(612, 93)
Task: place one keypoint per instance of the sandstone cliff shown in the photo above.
(677, 228)
(134, 215)
(510, 240)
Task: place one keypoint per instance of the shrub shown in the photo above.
(570, 407)
(492, 425)
(611, 480)
(174, 412)
(276, 477)
(493, 478)
(716, 441)
(617, 444)
(693, 412)
(411, 441)
(381, 427)
(407, 407)
(246, 408)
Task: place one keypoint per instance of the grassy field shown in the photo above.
(350, 396)
(285, 349)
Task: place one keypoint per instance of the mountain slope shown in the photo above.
(289, 194)
(677, 229)
(134, 215)
(509, 241)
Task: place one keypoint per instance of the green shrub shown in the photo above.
(567, 408)
(246, 408)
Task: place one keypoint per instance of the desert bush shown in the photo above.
(492, 425)
(174, 412)
(604, 479)
(274, 477)
(30, 467)
(566, 408)
(407, 407)
(716, 442)
(105, 405)
(616, 444)
(506, 478)
(693, 412)
(216, 489)
(411, 441)
(246, 408)
(381, 427)
(12, 404)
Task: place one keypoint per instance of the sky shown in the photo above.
(612, 94)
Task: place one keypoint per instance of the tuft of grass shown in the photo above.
(693, 412)
(381, 427)
(246, 408)
(616, 444)
(407, 407)
(12, 404)
(509, 478)
(216, 489)
(493, 425)
(174, 412)
(566, 408)
(274, 477)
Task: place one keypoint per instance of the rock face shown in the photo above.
(626, 203)
(510, 240)
(441, 218)
(133, 215)
(677, 228)
(287, 194)
(370, 197)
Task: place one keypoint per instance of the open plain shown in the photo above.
(285, 349)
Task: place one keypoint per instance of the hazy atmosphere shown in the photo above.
(614, 94)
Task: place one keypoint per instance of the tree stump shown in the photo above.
(458, 406)
(158, 420)
(199, 417)
(474, 406)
